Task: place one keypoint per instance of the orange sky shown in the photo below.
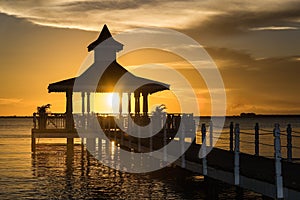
(255, 46)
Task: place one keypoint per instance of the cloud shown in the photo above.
(238, 21)
(197, 18)
(88, 15)
(251, 79)
(109, 5)
(273, 28)
(6, 101)
(257, 85)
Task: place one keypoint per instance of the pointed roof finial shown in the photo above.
(105, 34)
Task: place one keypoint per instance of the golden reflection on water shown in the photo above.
(75, 173)
(112, 149)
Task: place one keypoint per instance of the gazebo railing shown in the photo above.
(49, 121)
(108, 121)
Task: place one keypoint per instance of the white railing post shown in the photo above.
(277, 155)
(236, 154)
(203, 147)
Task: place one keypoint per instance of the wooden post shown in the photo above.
(203, 146)
(236, 154)
(145, 104)
(239, 193)
(289, 143)
(256, 128)
(121, 131)
(151, 138)
(137, 103)
(82, 103)
(139, 139)
(212, 188)
(165, 136)
(83, 110)
(211, 138)
(129, 104)
(88, 103)
(34, 120)
(69, 110)
(88, 109)
(33, 144)
(70, 144)
(82, 144)
(231, 137)
(277, 155)
(128, 131)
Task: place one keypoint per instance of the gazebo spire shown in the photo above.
(105, 34)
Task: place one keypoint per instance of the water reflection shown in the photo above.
(73, 173)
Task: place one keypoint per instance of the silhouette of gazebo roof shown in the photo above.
(113, 74)
(104, 35)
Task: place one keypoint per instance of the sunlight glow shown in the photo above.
(112, 100)
(112, 148)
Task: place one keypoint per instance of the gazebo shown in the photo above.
(115, 78)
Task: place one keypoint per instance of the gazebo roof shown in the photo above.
(104, 35)
(114, 75)
(115, 78)
(62, 86)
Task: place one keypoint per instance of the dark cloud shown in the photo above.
(241, 21)
(110, 5)
(262, 83)
(101, 5)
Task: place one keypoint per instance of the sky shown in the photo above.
(255, 45)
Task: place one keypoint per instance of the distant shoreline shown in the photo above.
(229, 116)
(14, 116)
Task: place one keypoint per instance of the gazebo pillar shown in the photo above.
(69, 110)
(82, 103)
(88, 103)
(145, 103)
(129, 103)
(137, 103)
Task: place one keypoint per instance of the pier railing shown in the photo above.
(258, 139)
(235, 140)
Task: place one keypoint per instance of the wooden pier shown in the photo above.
(271, 177)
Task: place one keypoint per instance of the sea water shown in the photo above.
(51, 173)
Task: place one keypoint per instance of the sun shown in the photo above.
(112, 102)
(109, 99)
